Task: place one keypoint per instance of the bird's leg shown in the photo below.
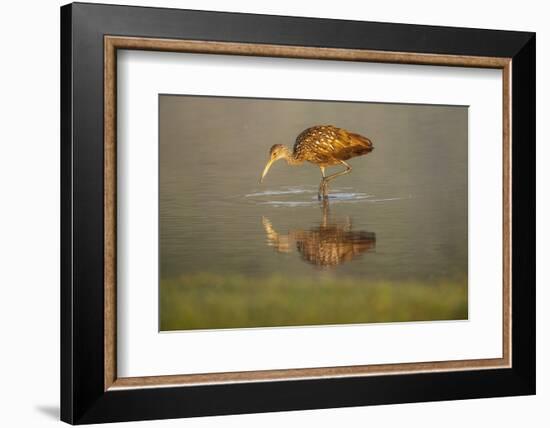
(338, 174)
(322, 186)
(324, 191)
(326, 180)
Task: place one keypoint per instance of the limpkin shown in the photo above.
(327, 245)
(324, 146)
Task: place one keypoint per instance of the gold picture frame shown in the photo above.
(114, 43)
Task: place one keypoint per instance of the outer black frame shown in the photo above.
(83, 399)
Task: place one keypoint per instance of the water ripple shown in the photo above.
(297, 197)
(286, 191)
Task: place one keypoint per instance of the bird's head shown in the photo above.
(277, 151)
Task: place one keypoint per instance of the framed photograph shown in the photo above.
(265, 213)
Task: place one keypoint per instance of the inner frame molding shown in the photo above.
(113, 43)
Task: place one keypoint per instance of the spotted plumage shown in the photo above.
(327, 145)
(324, 146)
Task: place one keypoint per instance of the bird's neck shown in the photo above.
(291, 159)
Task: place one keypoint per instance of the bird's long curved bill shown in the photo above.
(267, 166)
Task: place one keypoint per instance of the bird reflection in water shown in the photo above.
(329, 244)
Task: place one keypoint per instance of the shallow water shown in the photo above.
(399, 216)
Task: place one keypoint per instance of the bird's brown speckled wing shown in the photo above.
(328, 144)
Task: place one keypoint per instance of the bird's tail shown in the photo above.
(366, 144)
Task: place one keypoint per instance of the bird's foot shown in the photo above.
(323, 192)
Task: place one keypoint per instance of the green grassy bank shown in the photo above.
(204, 301)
